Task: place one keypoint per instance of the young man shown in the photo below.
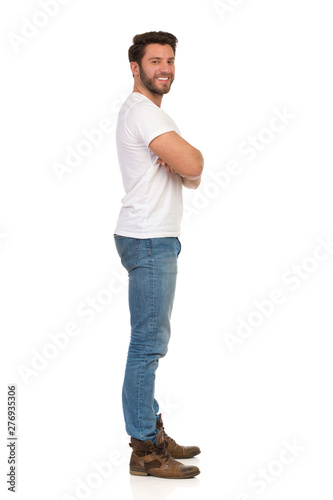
(155, 163)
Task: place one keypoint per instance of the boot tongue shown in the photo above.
(159, 440)
(159, 421)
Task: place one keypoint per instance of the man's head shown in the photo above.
(152, 58)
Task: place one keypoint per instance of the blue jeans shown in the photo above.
(152, 270)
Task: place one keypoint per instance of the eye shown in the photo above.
(171, 62)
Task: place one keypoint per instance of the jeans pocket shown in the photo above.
(127, 249)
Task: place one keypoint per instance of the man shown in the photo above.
(155, 163)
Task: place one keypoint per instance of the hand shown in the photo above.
(168, 168)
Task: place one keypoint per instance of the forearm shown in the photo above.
(191, 183)
(178, 154)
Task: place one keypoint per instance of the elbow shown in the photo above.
(199, 170)
(192, 167)
(199, 165)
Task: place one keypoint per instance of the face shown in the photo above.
(157, 68)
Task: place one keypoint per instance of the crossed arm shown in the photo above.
(179, 157)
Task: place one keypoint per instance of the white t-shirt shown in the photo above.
(153, 204)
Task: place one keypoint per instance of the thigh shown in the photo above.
(152, 283)
(164, 255)
(164, 252)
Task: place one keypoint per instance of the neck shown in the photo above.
(157, 99)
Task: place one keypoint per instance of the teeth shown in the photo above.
(163, 78)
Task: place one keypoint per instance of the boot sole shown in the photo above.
(134, 472)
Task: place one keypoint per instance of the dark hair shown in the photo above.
(137, 50)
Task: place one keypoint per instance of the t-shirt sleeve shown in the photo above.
(144, 122)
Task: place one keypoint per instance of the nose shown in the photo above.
(165, 68)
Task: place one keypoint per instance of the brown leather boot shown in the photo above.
(174, 449)
(153, 459)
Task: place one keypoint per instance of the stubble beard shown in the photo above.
(151, 86)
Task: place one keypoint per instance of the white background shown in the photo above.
(239, 243)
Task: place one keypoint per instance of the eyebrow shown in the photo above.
(160, 58)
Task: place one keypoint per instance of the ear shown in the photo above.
(135, 68)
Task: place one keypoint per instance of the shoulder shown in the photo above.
(141, 109)
(137, 103)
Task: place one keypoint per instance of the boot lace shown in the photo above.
(168, 437)
(161, 452)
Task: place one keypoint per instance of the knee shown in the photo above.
(162, 341)
(158, 347)
(163, 349)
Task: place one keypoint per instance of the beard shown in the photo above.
(150, 84)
